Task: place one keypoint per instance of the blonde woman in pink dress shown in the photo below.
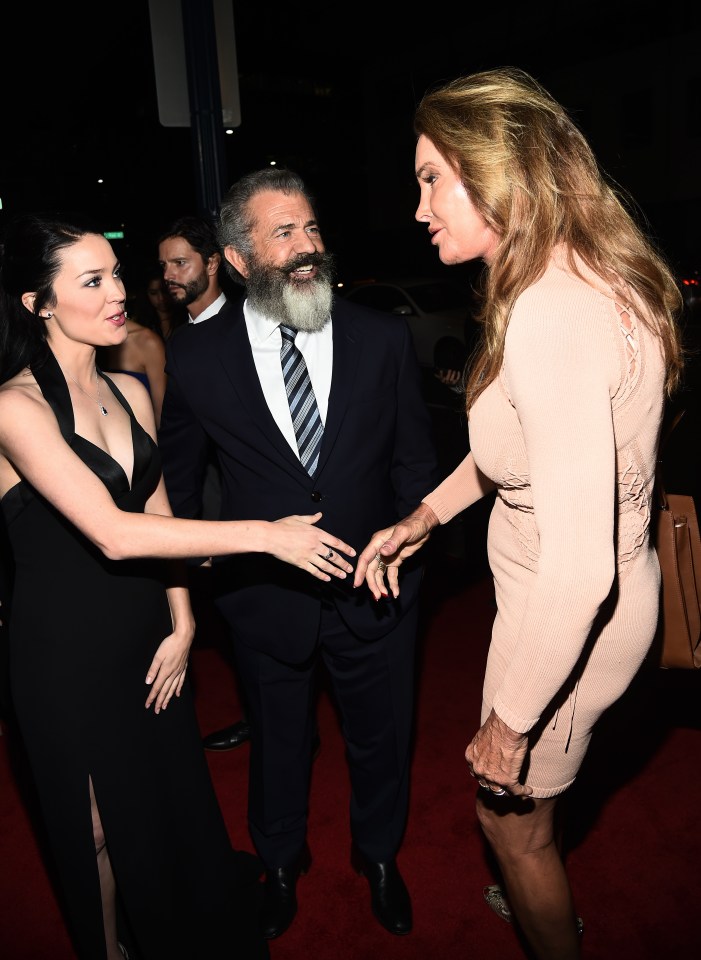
(565, 401)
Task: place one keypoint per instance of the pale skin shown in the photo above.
(88, 311)
(519, 827)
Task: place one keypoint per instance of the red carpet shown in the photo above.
(634, 863)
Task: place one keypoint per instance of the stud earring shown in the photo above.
(49, 316)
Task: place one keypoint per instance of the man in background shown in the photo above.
(191, 261)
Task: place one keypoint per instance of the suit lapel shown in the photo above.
(346, 354)
(234, 359)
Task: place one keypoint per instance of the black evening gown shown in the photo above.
(83, 632)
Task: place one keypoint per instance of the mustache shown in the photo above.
(303, 260)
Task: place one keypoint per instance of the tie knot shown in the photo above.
(288, 333)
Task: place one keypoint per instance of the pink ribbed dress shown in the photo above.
(568, 433)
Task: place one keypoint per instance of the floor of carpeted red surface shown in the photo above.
(634, 862)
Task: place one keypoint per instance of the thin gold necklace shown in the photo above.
(103, 409)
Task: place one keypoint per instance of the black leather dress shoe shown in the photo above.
(280, 896)
(389, 896)
(229, 737)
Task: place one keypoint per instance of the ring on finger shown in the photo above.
(327, 556)
(381, 565)
(499, 793)
(483, 784)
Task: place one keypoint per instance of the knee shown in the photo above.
(489, 822)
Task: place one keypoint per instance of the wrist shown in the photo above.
(264, 536)
(427, 516)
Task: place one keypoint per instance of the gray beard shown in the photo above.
(302, 306)
(307, 310)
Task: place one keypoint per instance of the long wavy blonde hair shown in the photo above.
(534, 178)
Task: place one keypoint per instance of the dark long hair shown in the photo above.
(31, 260)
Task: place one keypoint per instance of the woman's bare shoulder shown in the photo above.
(20, 390)
(147, 340)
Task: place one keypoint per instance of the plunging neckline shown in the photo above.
(105, 453)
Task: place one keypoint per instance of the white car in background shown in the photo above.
(434, 308)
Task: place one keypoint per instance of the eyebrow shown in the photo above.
(291, 226)
(93, 270)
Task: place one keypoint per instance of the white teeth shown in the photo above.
(304, 269)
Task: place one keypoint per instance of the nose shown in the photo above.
(306, 244)
(423, 213)
(118, 292)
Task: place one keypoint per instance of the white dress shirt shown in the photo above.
(209, 311)
(317, 350)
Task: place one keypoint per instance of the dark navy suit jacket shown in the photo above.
(377, 461)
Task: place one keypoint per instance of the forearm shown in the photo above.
(132, 536)
(181, 610)
(463, 487)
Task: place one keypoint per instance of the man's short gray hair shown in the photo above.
(235, 221)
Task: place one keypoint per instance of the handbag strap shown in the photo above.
(659, 482)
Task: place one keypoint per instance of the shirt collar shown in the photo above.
(209, 311)
(261, 326)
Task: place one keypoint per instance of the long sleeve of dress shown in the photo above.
(561, 361)
(463, 487)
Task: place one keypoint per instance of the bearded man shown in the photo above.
(189, 256)
(313, 404)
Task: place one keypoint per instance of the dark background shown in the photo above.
(329, 90)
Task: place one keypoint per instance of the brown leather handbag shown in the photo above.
(675, 536)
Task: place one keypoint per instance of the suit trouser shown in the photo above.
(373, 685)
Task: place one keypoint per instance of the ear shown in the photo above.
(28, 301)
(236, 260)
(213, 264)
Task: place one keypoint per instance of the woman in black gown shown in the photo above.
(100, 630)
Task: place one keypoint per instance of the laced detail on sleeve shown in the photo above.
(633, 493)
(633, 508)
(629, 331)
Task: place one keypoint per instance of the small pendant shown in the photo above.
(103, 410)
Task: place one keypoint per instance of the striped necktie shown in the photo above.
(300, 396)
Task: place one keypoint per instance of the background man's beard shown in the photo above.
(302, 305)
(187, 293)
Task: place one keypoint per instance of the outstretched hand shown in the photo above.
(389, 548)
(298, 541)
